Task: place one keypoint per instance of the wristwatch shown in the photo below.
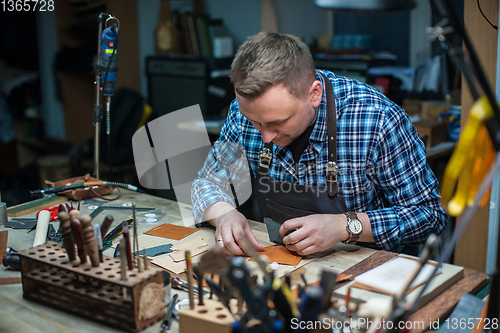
(354, 228)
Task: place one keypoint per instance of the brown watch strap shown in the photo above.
(352, 238)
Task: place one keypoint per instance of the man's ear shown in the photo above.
(316, 93)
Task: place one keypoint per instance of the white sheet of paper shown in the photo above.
(391, 276)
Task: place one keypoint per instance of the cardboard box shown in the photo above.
(412, 106)
(432, 132)
(432, 109)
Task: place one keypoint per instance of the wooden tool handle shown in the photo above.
(189, 272)
(123, 260)
(42, 225)
(89, 239)
(68, 241)
(74, 214)
(128, 251)
(108, 221)
(76, 228)
(63, 208)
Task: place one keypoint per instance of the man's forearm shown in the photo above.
(216, 210)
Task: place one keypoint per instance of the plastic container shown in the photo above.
(453, 115)
(167, 287)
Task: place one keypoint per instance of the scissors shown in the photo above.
(54, 212)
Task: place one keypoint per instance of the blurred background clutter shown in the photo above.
(177, 53)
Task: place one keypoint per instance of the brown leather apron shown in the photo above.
(279, 201)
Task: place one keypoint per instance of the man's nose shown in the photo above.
(267, 134)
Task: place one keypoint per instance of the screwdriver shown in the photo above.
(179, 285)
(107, 241)
(165, 326)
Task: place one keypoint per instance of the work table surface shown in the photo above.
(20, 315)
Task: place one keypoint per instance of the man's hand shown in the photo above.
(314, 233)
(231, 226)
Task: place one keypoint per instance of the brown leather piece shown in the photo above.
(171, 231)
(280, 254)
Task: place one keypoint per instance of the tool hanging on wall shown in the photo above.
(106, 69)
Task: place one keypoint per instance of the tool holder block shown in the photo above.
(212, 317)
(97, 293)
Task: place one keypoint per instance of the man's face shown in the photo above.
(280, 116)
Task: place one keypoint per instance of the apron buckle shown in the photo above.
(332, 171)
(265, 157)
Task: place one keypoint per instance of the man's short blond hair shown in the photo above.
(269, 59)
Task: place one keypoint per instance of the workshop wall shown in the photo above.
(297, 17)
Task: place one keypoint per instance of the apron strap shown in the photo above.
(332, 168)
(266, 154)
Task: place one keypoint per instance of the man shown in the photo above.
(354, 164)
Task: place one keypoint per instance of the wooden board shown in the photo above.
(441, 306)
(21, 315)
(449, 275)
(35, 205)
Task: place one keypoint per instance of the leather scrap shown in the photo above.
(157, 250)
(171, 231)
(281, 255)
(196, 246)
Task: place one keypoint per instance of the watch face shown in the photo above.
(355, 226)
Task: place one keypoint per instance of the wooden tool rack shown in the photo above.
(97, 293)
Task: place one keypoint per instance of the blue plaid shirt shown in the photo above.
(382, 164)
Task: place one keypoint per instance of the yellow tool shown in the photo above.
(283, 299)
(485, 157)
(473, 156)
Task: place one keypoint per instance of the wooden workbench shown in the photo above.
(20, 315)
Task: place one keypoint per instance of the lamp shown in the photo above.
(366, 6)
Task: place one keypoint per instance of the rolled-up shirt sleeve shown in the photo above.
(215, 179)
(410, 188)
